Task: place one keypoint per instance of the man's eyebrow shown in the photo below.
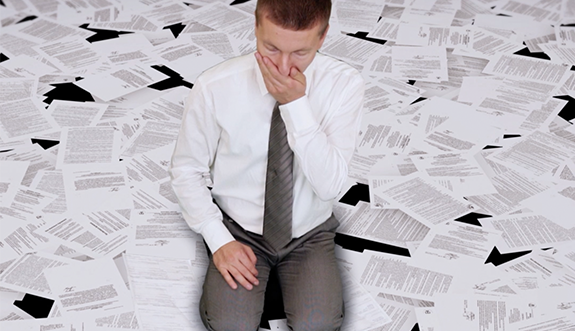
(305, 49)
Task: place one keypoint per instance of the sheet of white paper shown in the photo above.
(11, 174)
(151, 166)
(151, 135)
(51, 181)
(484, 312)
(362, 312)
(89, 289)
(391, 226)
(26, 274)
(70, 113)
(555, 204)
(512, 188)
(393, 274)
(536, 154)
(88, 147)
(168, 292)
(425, 201)
(456, 246)
(71, 55)
(428, 64)
(103, 188)
(23, 119)
(162, 233)
(427, 35)
(357, 15)
(98, 234)
(120, 81)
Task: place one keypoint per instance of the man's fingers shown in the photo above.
(243, 276)
(251, 255)
(297, 75)
(248, 267)
(269, 80)
(229, 279)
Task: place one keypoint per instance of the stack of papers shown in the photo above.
(461, 119)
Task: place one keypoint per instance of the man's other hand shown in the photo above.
(235, 260)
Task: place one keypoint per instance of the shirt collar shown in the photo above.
(308, 72)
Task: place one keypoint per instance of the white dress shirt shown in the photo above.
(225, 132)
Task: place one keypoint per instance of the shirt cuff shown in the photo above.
(297, 115)
(216, 235)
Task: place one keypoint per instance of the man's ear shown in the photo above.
(322, 39)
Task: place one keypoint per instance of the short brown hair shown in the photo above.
(295, 14)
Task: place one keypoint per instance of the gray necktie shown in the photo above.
(279, 185)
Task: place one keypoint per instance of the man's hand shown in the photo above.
(235, 260)
(283, 88)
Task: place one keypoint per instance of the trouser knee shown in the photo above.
(317, 321)
(223, 321)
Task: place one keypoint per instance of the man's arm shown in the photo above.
(323, 155)
(193, 155)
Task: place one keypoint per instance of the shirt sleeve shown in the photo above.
(324, 152)
(193, 155)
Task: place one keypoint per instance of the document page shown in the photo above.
(30, 201)
(486, 44)
(71, 55)
(391, 226)
(536, 154)
(11, 174)
(393, 274)
(222, 18)
(101, 237)
(166, 289)
(385, 29)
(427, 64)
(88, 146)
(103, 189)
(24, 118)
(426, 201)
(89, 289)
(70, 113)
(516, 66)
(349, 49)
(463, 166)
(168, 107)
(216, 42)
(402, 314)
(512, 188)
(555, 204)
(151, 166)
(427, 35)
(362, 311)
(26, 274)
(136, 23)
(13, 89)
(120, 81)
(162, 233)
(485, 312)
(381, 139)
(527, 231)
(151, 135)
(456, 246)
(357, 15)
(51, 181)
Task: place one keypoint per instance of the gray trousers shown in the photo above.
(308, 276)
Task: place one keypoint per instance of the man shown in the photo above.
(226, 132)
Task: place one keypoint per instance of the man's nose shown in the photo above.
(284, 64)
